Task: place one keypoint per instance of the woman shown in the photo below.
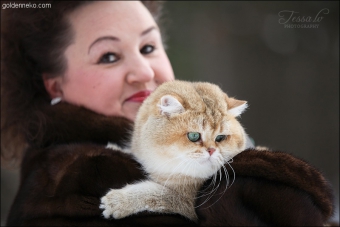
(73, 79)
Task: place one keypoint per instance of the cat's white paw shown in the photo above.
(115, 204)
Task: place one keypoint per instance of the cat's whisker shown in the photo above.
(211, 185)
(227, 183)
(220, 160)
(173, 172)
(211, 194)
(192, 164)
(231, 161)
(222, 193)
(170, 175)
(227, 177)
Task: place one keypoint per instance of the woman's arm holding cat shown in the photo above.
(68, 180)
(63, 185)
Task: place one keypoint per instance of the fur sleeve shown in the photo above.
(62, 186)
(270, 188)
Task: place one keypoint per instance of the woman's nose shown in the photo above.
(139, 70)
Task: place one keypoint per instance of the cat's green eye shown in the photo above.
(220, 138)
(194, 136)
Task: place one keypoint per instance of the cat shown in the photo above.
(184, 133)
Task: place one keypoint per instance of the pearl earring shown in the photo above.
(55, 100)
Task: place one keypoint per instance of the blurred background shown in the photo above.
(287, 69)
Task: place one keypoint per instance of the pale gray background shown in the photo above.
(290, 77)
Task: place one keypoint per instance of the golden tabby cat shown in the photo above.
(184, 133)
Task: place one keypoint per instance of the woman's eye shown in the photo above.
(108, 58)
(194, 136)
(147, 49)
(220, 138)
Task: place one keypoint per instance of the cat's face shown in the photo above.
(189, 129)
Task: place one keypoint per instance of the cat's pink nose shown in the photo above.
(211, 150)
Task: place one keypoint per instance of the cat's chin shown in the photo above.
(201, 171)
(204, 171)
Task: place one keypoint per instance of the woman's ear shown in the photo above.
(52, 85)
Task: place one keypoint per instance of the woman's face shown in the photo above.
(116, 60)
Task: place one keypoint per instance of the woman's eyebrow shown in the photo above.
(148, 30)
(113, 38)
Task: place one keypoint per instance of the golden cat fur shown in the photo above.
(184, 133)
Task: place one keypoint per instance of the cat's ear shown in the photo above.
(170, 105)
(236, 107)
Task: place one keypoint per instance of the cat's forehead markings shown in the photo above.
(204, 123)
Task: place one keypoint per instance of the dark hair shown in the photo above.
(33, 42)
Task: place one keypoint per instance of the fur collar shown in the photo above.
(284, 168)
(64, 123)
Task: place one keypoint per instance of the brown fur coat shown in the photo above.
(67, 169)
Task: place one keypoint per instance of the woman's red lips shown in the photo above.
(139, 96)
